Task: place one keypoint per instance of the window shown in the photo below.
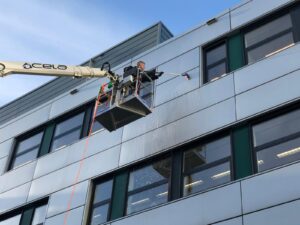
(27, 149)
(11, 221)
(277, 141)
(33, 214)
(39, 215)
(101, 204)
(207, 166)
(269, 38)
(215, 62)
(149, 186)
(67, 131)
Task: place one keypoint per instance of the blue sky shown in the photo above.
(70, 32)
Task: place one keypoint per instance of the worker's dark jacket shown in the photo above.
(130, 70)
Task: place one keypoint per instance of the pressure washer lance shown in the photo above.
(185, 75)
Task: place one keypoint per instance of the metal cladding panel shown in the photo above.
(74, 218)
(85, 94)
(275, 187)
(202, 209)
(287, 214)
(178, 132)
(58, 202)
(235, 221)
(17, 177)
(264, 70)
(3, 162)
(186, 42)
(191, 102)
(254, 9)
(269, 95)
(65, 177)
(24, 123)
(14, 197)
(179, 65)
(176, 87)
(6, 147)
(98, 142)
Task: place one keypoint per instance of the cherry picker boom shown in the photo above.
(121, 101)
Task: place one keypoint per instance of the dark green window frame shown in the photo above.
(236, 54)
(26, 213)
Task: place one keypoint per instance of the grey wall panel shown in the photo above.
(202, 209)
(271, 188)
(176, 87)
(3, 162)
(179, 65)
(264, 70)
(269, 95)
(188, 41)
(58, 202)
(86, 93)
(235, 221)
(253, 9)
(97, 142)
(287, 214)
(25, 123)
(6, 147)
(74, 218)
(14, 197)
(176, 109)
(65, 177)
(190, 127)
(17, 177)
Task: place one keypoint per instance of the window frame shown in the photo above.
(151, 186)
(87, 109)
(202, 142)
(210, 47)
(265, 117)
(265, 20)
(23, 209)
(21, 138)
(91, 206)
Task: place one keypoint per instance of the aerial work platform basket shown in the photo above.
(132, 99)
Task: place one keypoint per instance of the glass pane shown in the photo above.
(103, 191)
(147, 199)
(69, 124)
(97, 126)
(216, 72)
(271, 47)
(278, 155)
(66, 140)
(39, 215)
(216, 54)
(99, 215)
(208, 153)
(24, 158)
(206, 179)
(11, 221)
(276, 128)
(30, 142)
(268, 30)
(150, 174)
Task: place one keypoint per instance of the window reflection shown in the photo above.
(207, 166)
(101, 202)
(277, 141)
(148, 186)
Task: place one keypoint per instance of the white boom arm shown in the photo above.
(7, 68)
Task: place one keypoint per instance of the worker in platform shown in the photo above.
(143, 74)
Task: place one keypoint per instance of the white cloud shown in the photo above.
(54, 32)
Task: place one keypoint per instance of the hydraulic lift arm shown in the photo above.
(7, 68)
